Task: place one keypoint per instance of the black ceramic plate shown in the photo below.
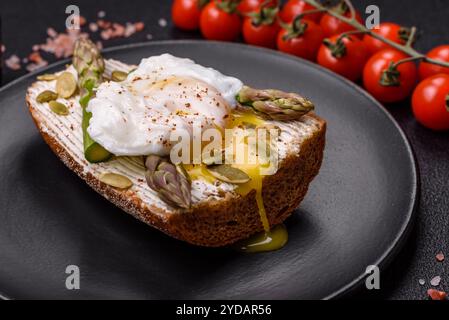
(357, 212)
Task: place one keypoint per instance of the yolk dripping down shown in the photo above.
(270, 239)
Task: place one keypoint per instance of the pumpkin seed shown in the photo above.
(229, 174)
(66, 85)
(118, 76)
(47, 77)
(46, 96)
(116, 180)
(58, 108)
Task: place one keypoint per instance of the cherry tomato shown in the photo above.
(218, 24)
(344, 55)
(333, 26)
(262, 29)
(391, 31)
(305, 44)
(374, 72)
(186, 14)
(295, 7)
(248, 6)
(439, 53)
(430, 104)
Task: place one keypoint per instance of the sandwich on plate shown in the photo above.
(194, 153)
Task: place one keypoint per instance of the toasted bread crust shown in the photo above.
(221, 222)
(218, 222)
(214, 223)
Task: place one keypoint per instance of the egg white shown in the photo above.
(165, 93)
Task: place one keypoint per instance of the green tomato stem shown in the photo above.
(407, 49)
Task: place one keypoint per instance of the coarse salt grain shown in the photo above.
(436, 295)
(13, 62)
(34, 66)
(52, 32)
(139, 26)
(435, 281)
(93, 27)
(129, 30)
(104, 24)
(162, 22)
(106, 34)
(35, 57)
(83, 21)
(37, 61)
(62, 44)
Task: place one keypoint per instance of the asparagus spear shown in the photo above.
(170, 181)
(275, 104)
(90, 66)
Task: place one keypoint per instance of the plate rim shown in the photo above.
(402, 235)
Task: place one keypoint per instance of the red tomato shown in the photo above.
(293, 8)
(304, 45)
(430, 104)
(186, 14)
(248, 6)
(262, 29)
(217, 24)
(346, 56)
(260, 35)
(439, 53)
(333, 26)
(391, 31)
(374, 70)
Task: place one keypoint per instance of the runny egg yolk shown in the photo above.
(251, 169)
(189, 98)
(270, 239)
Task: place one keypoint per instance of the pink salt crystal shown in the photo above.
(435, 281)
(162, 22)
(13, 62)
(139, 26)
(93, 27)
(52, 32)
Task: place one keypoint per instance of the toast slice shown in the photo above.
(219, 216)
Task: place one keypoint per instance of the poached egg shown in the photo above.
(137, 116)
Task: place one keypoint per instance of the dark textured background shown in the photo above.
(24, 23)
